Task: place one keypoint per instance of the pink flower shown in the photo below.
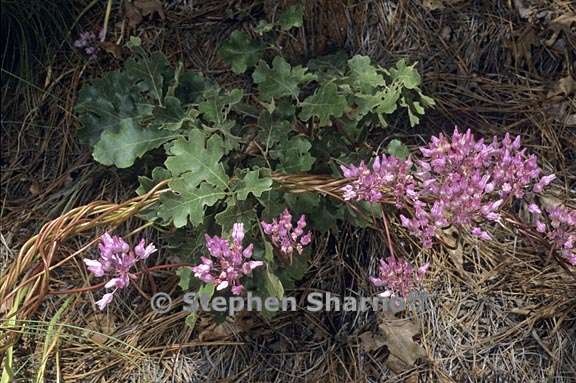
(477, 232)
(544, 181)
(560, 230)
(142, 251)
(228, 263)
(284, 236)
(389, 174)
(105, 301)
(534, 209)
(94, 267)
(460, 181)
(115, 261)
(88, 42)
(398, 276)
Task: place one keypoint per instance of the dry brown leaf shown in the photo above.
(232, 325)
(99, 327)
(132, 14)
(566, 86)
(112, 48)
(150, 8)
(439, 4)
(549, 202)
(558, 25)
(523, 10)
(399, 337)
(34, 188)
(522, 43)
(570, 120)
(215, 332)
(370, 341)
(433, 4)
(450, 238)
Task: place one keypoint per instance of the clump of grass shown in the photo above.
(32, 34)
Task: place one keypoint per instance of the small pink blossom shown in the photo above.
(398, 276)
(286, 237)
(229, 261)
(88, 43)
(105, 301)
(115, 261)
(534, 209)
(477, 232)
(387, 173)
(560, 230)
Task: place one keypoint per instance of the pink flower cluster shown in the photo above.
(559, 225)
(88, 42)
(388, 174)
(398, 276)
(229, 262)
(460, 181)
(116, 259)
(286, 237)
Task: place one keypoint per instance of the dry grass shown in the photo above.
(501, 312)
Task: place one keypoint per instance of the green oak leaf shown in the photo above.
(415, 110)
(107, 101)
(123, 147)
(171, 111)
(398, 149)
(294, 272)
(364, 75)
(185, 274)
(324, 103)
(271, 285)
(366, 103)
(291, 17)
(236, 212)
(187, 203)
(267, 284)
(146, 184)
(280, 80)
(408, 76)
(322, 213)
(329, 66)
(152, 73)
(413, 117)
(273, 202)
(205, 290)
(253, 183)
(172, 115)
(240, 51)
(190, 87)
(263, 27)
(427, 101)
(198, 158)
(216, 105)
(388, 100)
(294, 155)
(272, 131)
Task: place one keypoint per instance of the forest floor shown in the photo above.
(500, 312)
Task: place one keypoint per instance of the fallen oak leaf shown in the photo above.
(558, 25)
(112, 48)
(399, 337)
(370, 341)
(132, 14)
(150, 8)
(566, 86)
